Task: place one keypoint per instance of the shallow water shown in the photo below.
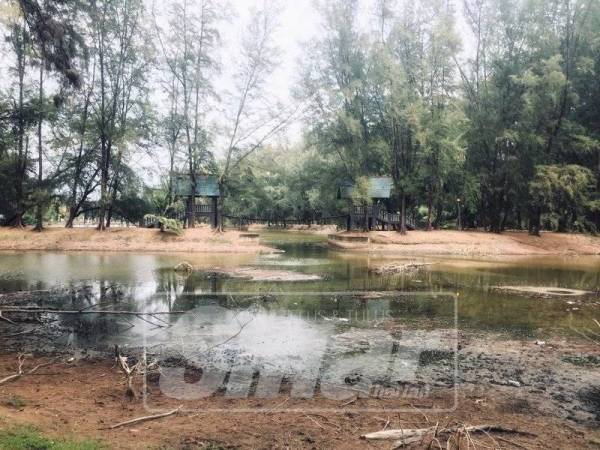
(146, 282)
(351, 321)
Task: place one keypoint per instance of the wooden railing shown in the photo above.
(204, 209)
(380, 214)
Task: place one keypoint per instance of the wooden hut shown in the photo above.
(207, 187)
(378, 189)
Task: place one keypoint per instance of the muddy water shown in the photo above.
(351, 324)
(145, 282)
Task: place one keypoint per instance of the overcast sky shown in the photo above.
(299, 23)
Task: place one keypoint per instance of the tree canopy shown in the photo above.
(485, 111)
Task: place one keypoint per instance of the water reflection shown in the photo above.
(146, 282)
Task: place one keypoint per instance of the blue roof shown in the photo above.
(379, 187)
(206, 185)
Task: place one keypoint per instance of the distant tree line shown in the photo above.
(508, 135)
(497, 125)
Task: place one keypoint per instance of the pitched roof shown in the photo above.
(379, 187)
(206, 185)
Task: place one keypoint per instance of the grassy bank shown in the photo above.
(197, 240)
(467, 243)
(28, 438)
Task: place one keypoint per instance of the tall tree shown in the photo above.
(254, 116)
(189, 51)
(122, 55)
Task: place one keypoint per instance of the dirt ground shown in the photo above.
(204, 240)
(82, 397)
(471, 243)
(198, 240)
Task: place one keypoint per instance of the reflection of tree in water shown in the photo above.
(168, 284)
(99, 295)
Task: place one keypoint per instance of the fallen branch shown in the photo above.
(20, 373)
(315, 422)
(413, 435)
(349, 402)
(6, 319)
(143, 419)
(64, 311)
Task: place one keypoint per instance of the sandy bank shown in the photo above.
(467, 243)
(197, 240)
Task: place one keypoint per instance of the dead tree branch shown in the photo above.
(143, 419)
(129, 371)
(26, 310)
(409, 436)
(20, 373)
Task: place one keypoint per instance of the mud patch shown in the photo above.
(515, 406)
(542, 291)
(427, 357)
(257, 274)
(590, 397)
(583, 360)
(395, 268)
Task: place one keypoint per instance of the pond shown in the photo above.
(350, 323)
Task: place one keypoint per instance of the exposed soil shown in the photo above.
(549, 389)
(197, 240)
(471, 243)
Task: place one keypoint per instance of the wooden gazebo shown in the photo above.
(378, 188)
(207, 186)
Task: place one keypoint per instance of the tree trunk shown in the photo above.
(38, 209)
(535, 222)
(103, 194)
(190, 216)
(403, 213)
(71, 218)
(429, 212)
(22, 141)
(220, 205)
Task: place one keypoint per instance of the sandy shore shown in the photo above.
(467, 243)
(197, 240)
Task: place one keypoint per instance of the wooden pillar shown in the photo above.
(215, 212)
(349, 219)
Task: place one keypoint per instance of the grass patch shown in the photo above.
(27, 438)
(14, 401)
(583, 360)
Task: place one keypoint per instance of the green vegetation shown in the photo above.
(13, 401)
(166, 224)
(26, 438)
(495, 125)
(583, 360)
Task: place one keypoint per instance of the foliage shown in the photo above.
(506, 129)
(26, 438)
(166, 224)
(562, 193)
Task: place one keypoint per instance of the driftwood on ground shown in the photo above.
(26, 310)
(20, 372)
(6, 319)
(409, 436)
(144, 419)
